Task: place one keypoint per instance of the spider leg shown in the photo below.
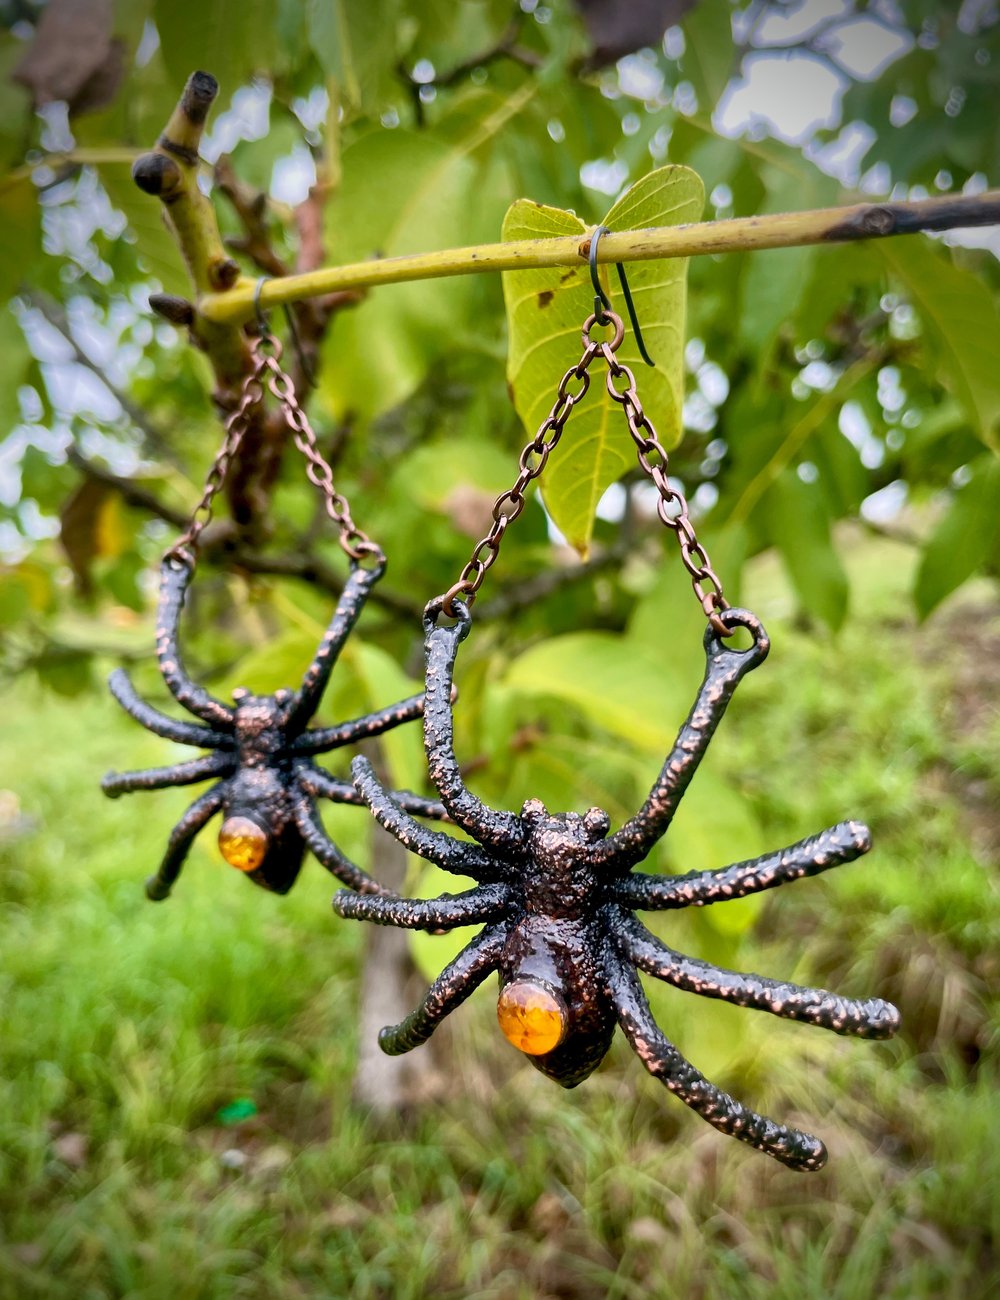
(184, 733)
(457, 856)
(201, 811)
(871, 1018)
(456, 982)
(664, 1062)
(327, 853)
(175, 576)
(723, 670)
(497, 830)
(159, 778)
(830, 848)
(321, 739)
(324, 786)
(483, 904)
(306, 699)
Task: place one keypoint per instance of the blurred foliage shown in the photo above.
(819, 381)
(821, 385)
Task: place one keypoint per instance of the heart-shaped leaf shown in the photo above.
(545, 311)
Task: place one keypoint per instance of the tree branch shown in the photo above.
(312, 569)
(737, 234)
(542, 585)
(132, 493)
(251, 207)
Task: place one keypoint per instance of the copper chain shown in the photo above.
(266, 362)
(237, 422)
(671, 506)
(353, 540)
(509, 504)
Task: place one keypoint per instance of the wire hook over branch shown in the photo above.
(602, 303)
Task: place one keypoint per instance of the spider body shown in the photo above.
(556, 895)
(261, 754)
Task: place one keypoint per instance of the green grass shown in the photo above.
(125, 1028)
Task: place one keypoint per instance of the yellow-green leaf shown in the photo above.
(545, 311)
(598, 672)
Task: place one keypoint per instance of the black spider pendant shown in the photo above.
(266, 783)
(556, 896)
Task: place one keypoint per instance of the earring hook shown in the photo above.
(258, 311)
(602, 303)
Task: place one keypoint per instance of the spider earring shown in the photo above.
(262, 749)
(555, 892)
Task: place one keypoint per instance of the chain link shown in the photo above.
(353, 540)
(235, 427)
(671, 506)
(533, 459)
(266, 365)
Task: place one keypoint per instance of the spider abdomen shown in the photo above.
(555, 964)
(259, 798)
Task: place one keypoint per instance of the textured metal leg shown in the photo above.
(184, 733)
(663, 1061)
(327, 853)
(159, 778)
(174, 579)
(723, 670)
(499, 830)
(204, 808)
(457, 856)
(324, 786)
(451, 988)
(322, 739)
(352, 601)
(871, 1018)
(483, 904)
(831, 848)
(321, 785)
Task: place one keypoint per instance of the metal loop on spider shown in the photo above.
(363, 549)
(448, 605)
(180, 558)
(732, 619)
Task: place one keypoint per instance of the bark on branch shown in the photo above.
(738, 234)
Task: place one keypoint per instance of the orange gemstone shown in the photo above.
(242, 843)
(532, 1017)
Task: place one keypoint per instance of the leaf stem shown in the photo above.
(737, 234)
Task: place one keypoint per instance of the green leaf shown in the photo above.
(965, 537)
(545, 311)
(441, 196)
(709, 52)
(355, 46)
(774, 281)
(712, 819)
(14, 350)
(231, 39)
(798, 525)
(396, 331)
(598, 672)
(962, 322)
(21, 222)
(15, 105)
